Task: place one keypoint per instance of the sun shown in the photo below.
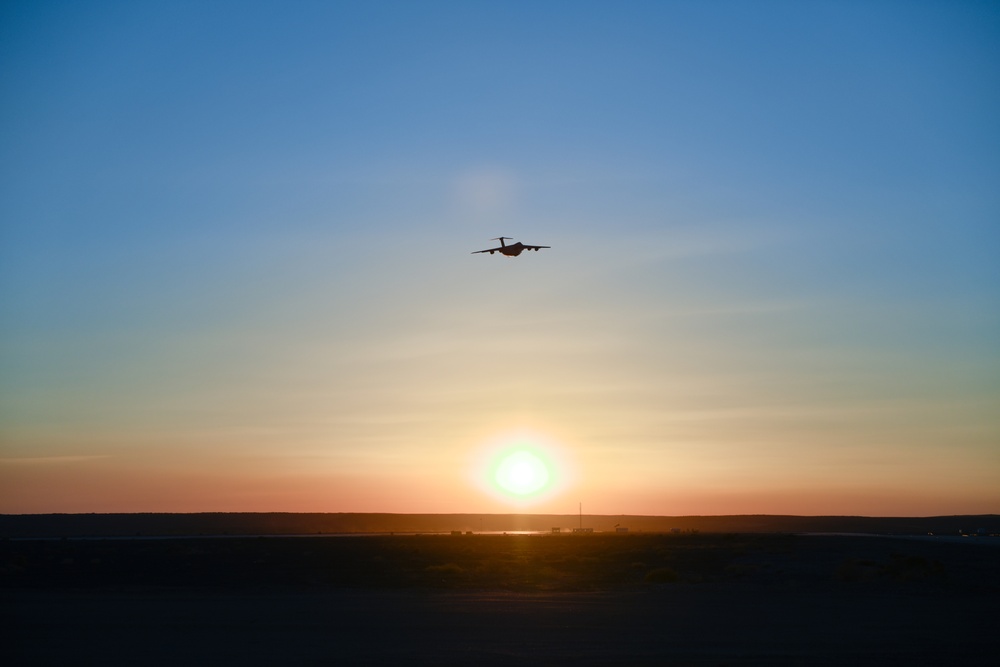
(522, 468)
(521, 473)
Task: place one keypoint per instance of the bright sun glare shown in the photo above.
(522, 473)
(522, 468)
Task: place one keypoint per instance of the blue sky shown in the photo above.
(236, 273)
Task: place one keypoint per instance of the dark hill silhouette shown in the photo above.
(222, 523)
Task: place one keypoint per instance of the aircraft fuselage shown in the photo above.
(512, 250)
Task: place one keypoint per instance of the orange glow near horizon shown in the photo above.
(460, 476)
(104, 484)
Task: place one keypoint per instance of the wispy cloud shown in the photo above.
(50, 460)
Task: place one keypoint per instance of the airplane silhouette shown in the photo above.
(510, 250)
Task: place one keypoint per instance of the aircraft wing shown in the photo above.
(476, 252)
(536, 247)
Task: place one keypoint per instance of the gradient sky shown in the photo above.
(236, 269)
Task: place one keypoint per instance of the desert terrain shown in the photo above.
(685, 598)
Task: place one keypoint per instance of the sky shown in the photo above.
(236, 268)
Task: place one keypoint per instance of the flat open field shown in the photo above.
(690, 599)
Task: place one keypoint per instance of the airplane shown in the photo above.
(510, 250)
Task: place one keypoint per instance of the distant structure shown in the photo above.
(581, 529)
(556, 529)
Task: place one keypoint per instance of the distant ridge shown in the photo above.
(275, 523)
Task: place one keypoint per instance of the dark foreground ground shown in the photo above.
(497, 600)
